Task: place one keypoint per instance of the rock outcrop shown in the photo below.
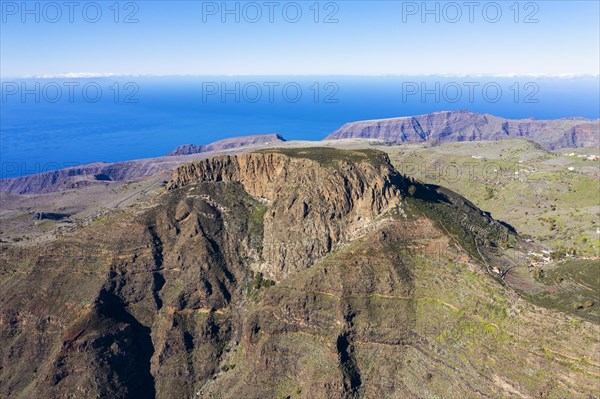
(471, 126)
(313, 206)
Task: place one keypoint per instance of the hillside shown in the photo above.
(470, 126)
(549, 197)
(306, 273)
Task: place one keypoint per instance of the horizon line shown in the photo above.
(90, 75)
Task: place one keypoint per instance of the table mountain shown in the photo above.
(471, 126)
(300, 273)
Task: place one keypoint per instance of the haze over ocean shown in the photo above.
(49, 124)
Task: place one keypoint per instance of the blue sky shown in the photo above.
(369, 38)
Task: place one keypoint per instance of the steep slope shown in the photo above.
(549, 197)
(398, 315)
(284, 273)
(314, 206)
(470, 126)
(127, 304)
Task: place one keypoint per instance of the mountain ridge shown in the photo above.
(470, 126)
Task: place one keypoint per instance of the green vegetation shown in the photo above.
(517, 182)
(328, 156)
(255, 283)
(256, 225)
(472, 232)
(573, 286)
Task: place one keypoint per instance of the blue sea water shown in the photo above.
(48, 124)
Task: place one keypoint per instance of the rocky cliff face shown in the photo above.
(382, 290)
(227, 144)
(312, 206)
(470, 126)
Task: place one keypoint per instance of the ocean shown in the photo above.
(52, 123)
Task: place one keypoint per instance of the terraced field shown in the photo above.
(572, 287)
(551, 197)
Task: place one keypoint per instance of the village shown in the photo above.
(587, 157)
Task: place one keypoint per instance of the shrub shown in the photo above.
(538, 274)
